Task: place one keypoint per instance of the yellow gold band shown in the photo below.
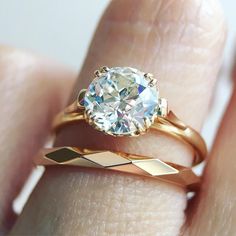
(119, 161)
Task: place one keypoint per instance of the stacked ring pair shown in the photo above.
(123, 101)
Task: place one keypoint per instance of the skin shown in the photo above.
(181, 42)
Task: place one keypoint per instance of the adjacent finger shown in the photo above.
(180, 42)
(32, 91)
(214, 210)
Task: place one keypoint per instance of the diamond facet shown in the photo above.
(121, 101)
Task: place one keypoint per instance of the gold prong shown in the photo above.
(147, 123)
(104, 69)
(137, 133)
(97, 73)
(163, 107)
(139, 130)
(152, 82)
(87, 114)
(151, 79)
(148, 75)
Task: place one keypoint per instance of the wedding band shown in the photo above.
(122, 162)
(123, 101)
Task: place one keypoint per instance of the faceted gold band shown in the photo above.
(123, 162)
(169, 124)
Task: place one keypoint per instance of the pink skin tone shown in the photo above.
(179, 42)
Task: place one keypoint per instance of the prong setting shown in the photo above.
(104, 69)
(163, 107)
(152, 82)
(127, 113)
(97, 73)
(148, 75)
(151, 79)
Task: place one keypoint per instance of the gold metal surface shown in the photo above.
(123, 162)
(151, 166)
(107, 159)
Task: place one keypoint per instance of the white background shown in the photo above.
(63, 29)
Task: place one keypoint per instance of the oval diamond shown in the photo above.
(121, 101)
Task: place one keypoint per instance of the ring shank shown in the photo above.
(170, 125)
(121, 162)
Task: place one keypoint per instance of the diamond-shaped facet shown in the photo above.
(107, 159)
(155, 167)
(62, 155)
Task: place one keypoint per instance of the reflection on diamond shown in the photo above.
(121, 102)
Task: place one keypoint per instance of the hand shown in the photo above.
(179, 41)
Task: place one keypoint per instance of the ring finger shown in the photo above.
(181, 43)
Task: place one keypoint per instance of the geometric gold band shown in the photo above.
(119, 161)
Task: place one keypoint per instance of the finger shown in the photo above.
(32, 90)
(168, 39)
(214, 211)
